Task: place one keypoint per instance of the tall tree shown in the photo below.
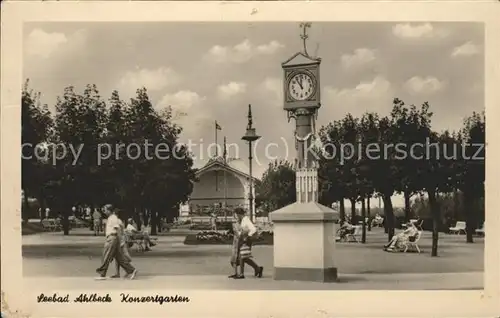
(383, 173)
(409, 122)
(472, 173)
(162, 176)
(36, 125)
(331, 170)
(80, 128)
(277, 187)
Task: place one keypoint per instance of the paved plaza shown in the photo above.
(50, 259)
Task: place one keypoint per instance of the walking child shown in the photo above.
(235, 260)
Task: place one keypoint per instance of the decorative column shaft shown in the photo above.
(306, 165)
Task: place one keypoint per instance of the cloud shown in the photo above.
(359, 57)
(274, 86)
(466, 49)
(424, 85)
(184, 102)
(188, 111)
(416, 31)
(231, 89)
(241, 52)
(43, 44)
(270, 48)
(375, 95)
(153, 80)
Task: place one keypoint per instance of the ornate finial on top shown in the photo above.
(250, 122)
(304, 36)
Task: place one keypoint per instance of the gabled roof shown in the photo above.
(222, 164)
(300, 59)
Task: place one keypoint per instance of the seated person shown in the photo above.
(377, 220)
(398, 241)
(133, 233)
(345, 228)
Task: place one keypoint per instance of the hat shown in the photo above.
(240, 211)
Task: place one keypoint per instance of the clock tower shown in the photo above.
(304, 231)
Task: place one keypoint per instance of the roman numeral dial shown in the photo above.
(301, 86)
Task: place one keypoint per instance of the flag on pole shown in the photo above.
(225, 180)
(217, 127)
(224, 154)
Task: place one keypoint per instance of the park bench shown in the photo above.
(78, 223)
(412, 242)
(480, 231)
(458, 228)
(51, 225)
(132, 241)
(353, 236)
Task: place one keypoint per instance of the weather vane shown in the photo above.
(304, 36)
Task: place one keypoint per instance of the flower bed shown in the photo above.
(225, 238)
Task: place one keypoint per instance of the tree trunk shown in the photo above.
(389, 216)
(407, 205)
(455, 204)
(342, 209)
(91, 226)
(363, 216)
(368, 214)
(42, 207)
(137, 217)
(65, 219)
(469, 216)
(353, 211)
(26, 211)
(154, 222)
(435, 221)
(159, 223)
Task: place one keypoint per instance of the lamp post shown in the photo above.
(250, 136)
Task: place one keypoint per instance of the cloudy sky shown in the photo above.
(212, 71)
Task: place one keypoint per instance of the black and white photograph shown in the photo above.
(242, 156)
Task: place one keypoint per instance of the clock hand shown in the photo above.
(300, 84)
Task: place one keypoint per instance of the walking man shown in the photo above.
(112, 248)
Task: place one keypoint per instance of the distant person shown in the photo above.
(213, 221)
(132, 231)
(397, 242)
(96, 216)
(377, 220)
(247, 234)
(112, 250)
(345, 228)
(47, 213)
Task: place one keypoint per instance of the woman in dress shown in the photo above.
(235, 261)
(398, 241)
(247, 233)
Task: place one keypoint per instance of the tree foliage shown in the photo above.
(126, 154)
(277, 187)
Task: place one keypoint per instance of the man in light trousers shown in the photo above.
(112, 248)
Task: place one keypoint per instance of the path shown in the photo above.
(73, 260)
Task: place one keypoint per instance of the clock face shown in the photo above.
(301, 86)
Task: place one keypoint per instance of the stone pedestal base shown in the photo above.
(304, 242)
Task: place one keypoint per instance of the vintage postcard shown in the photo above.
(249, 159)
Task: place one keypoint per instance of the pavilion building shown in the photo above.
(221, 183)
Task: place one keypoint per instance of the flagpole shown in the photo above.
(216, 144)
(225, 181)
(215, 157)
